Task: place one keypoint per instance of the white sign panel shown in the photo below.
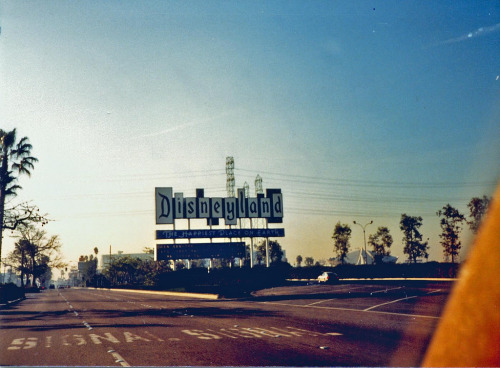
(171, 206)
(164, 206)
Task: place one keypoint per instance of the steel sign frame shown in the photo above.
(170, 206)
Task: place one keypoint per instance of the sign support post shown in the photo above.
(173, 261)
(251, 245)
(267, 246)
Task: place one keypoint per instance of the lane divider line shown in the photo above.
(398, 300)
(118, 358)
(352, 310)
(392, 301)
(321, 301)
(386, 290)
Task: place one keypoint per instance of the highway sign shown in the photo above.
(220, 233)
(167, 252)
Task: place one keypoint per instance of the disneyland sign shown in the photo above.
(171, 206)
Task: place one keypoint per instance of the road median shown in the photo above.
(169, 293)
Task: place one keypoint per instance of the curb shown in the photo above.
(168, 293)
(11, 302)
(383, 279)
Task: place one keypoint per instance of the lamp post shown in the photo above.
(364, 237)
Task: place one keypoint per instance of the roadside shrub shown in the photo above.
(10, 292)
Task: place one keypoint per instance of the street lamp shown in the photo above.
(364, 237)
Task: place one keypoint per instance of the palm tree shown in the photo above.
(299, 260)
(15, 160)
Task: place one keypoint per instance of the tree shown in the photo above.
(299, 260)
(47, 275)
(341, 236)
(477, 207)
(275, 251)
(124, 271)
(259, 256)
(18, 258)
(152, 270)
(148, 250)
(88, 268)
(309, 261)
(22, 214)
(412, 239)
(451, 224)
(15, 160)
(380, 242)
(35, 253)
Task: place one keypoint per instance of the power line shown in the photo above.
(144, 177)
(365, 183)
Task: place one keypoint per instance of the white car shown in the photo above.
(328, 277)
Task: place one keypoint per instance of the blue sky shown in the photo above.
(357, 110)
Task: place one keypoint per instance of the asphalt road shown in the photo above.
(349, 324)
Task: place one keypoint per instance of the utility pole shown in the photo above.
(364, 237)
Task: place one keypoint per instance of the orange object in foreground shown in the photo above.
(469, 331)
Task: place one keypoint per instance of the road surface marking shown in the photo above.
(398, 300)
(96, 339)
(130, 337)
(202, 335)
(23, 343)
(321, 301)
(153, 336)
(386, 290)
(294, 333)
(223, 333)
(391, 302)
(118, 358)
(350, 310)
(87, 325)
(245, 333)
(269, 333)
(344, 290)
(433, 291)
(302, 331)
(79, 340)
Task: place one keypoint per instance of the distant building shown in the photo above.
(75, 277)
(83, 267)
(10, 277)
(359, 257)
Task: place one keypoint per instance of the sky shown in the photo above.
(358, 111)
